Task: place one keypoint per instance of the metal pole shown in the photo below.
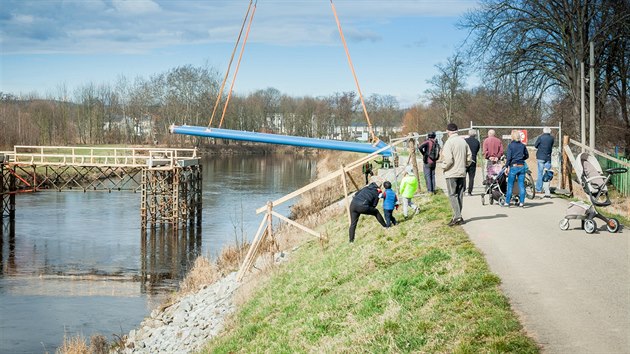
(591, 135)
(582, 108)
(560, 140)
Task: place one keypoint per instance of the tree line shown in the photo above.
(141, 111)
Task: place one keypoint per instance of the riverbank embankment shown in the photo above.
(419, 286)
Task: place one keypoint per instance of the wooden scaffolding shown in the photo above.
(170, 180)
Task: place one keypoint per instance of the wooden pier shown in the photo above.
(169, 180)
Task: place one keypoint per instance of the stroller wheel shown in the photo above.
(491, 199)
(612, 225)
(502, 200)
(564, 224)
(589, 226)
(483, 199)
(530, 187)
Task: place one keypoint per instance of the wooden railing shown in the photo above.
(99, 156)
(267, 232)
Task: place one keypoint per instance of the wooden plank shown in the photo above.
(567, 156)
(588, 148)
(345, 192)
(301, 190)
(354, 183)
(299, 226)
(323, 180)
(270, 223)
(242, 271)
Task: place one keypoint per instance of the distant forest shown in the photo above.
(528, 54)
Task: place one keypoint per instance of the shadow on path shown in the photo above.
(488, 217)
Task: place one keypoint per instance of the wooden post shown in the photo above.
(345, 191)
(411, 145)
(566, 165)
(565, 161)
(274, 246)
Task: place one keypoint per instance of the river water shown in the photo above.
(78, 263)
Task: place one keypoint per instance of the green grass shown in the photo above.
(417, 287)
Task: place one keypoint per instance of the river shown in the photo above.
(78, 263)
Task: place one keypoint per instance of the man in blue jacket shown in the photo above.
(544, 146)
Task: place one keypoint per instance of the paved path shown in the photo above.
(570, 289)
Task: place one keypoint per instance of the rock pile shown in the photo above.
(187, 325)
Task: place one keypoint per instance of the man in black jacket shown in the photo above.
(471, 170)
(365, 202)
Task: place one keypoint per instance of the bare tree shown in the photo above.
(343, 106)
(543, 42)
(384, 111)
(447, 87)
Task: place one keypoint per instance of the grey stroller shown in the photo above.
(593, 182)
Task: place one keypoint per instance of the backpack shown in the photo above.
(434, 152)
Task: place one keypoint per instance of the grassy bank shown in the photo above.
(418, 287)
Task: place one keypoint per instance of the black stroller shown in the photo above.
(593, 182)
(496, 185)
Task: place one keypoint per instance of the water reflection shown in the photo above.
(75, 262)
(165, 255)
(7, 231)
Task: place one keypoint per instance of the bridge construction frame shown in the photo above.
(169, 180)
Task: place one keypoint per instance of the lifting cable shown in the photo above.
(227, 72)
(238, 64)
(343, 39)
(251, 18)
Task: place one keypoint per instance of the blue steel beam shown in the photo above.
(279, 139)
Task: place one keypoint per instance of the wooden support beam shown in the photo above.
(331, 176)
(246, 260)
(411, 145)
(299, 226)
(354, 183)
(567, 162)
(345, 192)
(270, 224)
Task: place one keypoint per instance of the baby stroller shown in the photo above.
(493, 190)
(593, 182)
(496, 185)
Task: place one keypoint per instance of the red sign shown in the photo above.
(523, 136)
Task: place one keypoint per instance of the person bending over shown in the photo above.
(365, 202)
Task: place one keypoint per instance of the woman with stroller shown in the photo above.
(515, 168)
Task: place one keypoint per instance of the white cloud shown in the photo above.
(135, 7)
(71, 25)
(23, 19)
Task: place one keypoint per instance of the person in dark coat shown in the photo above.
(544, 146)
(429, 164)
(365, 202)
(471, 170)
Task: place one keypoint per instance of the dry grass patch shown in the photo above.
(231, 257)
(203, 272)
(73, 345)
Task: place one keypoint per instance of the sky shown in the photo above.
(293, 46)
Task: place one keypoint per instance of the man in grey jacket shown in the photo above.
(456, 156)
